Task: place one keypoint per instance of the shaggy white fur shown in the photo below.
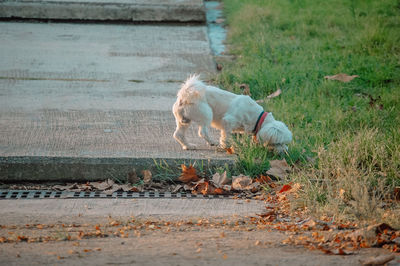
(226, 111)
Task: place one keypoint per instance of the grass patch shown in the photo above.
(346, 135)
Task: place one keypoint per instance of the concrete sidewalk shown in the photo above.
(104, 10)
(93, 101)
(92, 210)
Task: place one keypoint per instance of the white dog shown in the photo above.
(228, 112)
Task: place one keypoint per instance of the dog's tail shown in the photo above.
(191, 90)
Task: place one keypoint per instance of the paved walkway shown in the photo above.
(105, 10)
(93, 101)
(92, 210)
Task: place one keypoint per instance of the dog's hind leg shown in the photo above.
(182, 124)
(179, 136)
(203, 115)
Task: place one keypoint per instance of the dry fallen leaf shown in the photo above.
(396, 193)
(230, 150)
(285, 188)
(220, 180)
(279, 168)
(103, 185)
(188, 174)
(245, 88)
(133, 177)
(272, 95)
(262, 179)
(241, 182)
(146, 176)
(342, 77)
(275, 94)
(369, 236)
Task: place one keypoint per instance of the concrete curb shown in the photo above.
(74, 169)
(189, 11)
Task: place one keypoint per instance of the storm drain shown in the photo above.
(49, 194)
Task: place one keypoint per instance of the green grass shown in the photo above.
(292, 45)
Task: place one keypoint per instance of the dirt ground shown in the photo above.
(222, 241)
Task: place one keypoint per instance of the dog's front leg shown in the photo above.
(224, 139)
(203, 133)
(179, 136)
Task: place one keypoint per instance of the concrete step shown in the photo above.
(105, 10)
(87, 101)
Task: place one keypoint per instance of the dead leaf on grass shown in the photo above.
(373, 235)
(102, 185)
(279, 168)
(219, 180)
(116, 188)
(396, 193)
(177, 188)
(241, 182)
(285, 188)
(342, 77)
(188, 174)
(147, 176)
(230, 150)
(264, 179)
(206, 188)
(246, 89)
(274, 94)
(133, 177)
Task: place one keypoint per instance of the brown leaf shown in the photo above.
(218, 191)
(245, 88)
(380, 260)
(274, 94)
(104, 185)
(310, 224)
(267, 214)
(177, 188)
(279, 168)
(147, 176)
(264, 179)
(285, 188)
(241, 182)
(396, 193)
(230, 150)
(342, 77)
(133, 177)
(188, 174)
(368, 236)
(219, 180)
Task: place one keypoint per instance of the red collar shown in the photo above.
(259, 122)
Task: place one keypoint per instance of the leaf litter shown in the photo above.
(324, 234)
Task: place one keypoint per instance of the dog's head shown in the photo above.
(274, 133)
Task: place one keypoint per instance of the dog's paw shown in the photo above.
(189, 147)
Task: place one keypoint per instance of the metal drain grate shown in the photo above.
(49, 194)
